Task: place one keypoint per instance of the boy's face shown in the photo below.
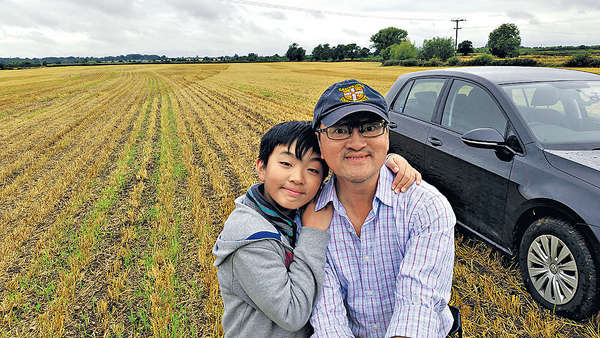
(289, 182)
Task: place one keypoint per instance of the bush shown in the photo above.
(581, 60)
(453, 61)
(406, 63)
(515, 62)
(481, 60)
(402, 51)
(442, 48)
(433, 62)
(410, 62)
(391, 63)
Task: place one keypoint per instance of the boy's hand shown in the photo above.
(406, 175)
(317, 219)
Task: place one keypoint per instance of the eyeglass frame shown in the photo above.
(352, 126)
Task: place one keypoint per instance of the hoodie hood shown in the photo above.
(243, 226)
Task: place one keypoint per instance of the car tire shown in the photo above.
(563, 279)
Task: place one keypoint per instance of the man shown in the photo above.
(390, 256)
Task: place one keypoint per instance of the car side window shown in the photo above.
(401, 99)
(469, 107)
(422, 98)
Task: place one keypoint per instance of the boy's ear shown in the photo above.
(260, 170)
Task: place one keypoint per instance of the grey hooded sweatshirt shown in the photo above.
(268, 287)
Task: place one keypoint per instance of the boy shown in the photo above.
(270, 276)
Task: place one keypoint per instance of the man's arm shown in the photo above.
(425, 277)
(329, 318)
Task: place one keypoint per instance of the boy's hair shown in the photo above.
(286, 133)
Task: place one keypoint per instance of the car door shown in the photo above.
(474, 180)
(412, 111)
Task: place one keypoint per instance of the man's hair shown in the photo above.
(285, 134)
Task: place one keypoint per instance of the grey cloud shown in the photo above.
(318, 14)
(203, 9)
(276, 15)
(581, 5)
(351, 32)
(521, 15)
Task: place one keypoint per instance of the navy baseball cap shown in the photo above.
(344, 98)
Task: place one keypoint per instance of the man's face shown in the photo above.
(355, 159)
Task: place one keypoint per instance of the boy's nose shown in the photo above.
(297, 176)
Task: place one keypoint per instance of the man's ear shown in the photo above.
(260, 170)
(318, 135)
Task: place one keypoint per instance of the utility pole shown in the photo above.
(456, 29)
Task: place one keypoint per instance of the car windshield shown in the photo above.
(562, 115)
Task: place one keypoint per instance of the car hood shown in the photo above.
(583, 164)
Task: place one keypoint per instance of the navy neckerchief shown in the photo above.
(273, 213)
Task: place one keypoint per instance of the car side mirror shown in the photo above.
(487, 138)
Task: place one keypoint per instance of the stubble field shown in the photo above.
(115, 182)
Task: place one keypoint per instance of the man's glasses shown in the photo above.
(344, 131)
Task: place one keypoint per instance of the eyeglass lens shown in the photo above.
(368, 129)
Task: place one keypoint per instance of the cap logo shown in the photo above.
(354, 93)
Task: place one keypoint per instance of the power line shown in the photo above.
(322, 12)
(456, 29)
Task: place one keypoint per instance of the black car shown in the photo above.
(516, 150)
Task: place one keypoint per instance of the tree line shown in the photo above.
(391, 46)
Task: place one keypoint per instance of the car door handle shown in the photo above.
(434, 141)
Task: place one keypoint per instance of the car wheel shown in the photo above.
(558, 269)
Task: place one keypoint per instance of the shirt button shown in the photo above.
(366, 258)
(375, 326)
(369, 293)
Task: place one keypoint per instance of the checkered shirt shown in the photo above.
(395, 279)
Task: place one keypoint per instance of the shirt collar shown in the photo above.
(383, 192)
(384, 186)
(327, 194)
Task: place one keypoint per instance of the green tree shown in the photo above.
(401, 51)
(387, 37)
(252, 57)
(505, 41)
(322, 52)
(352, 51)
(338, 52)
(465, 47)
(295, 52)
(364, 52)
(317, 53)
(442, 48)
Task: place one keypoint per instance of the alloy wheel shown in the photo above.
(552, 269)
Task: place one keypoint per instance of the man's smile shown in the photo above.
(357, 157)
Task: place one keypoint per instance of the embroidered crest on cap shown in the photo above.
(354, 93)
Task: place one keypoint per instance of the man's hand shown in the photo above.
(317, 219)
(406, 175)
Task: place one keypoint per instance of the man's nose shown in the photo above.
(356, 140)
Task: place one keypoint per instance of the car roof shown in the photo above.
(513, 74)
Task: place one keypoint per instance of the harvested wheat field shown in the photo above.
(115, 182)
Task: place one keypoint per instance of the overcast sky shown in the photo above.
(225, 27)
